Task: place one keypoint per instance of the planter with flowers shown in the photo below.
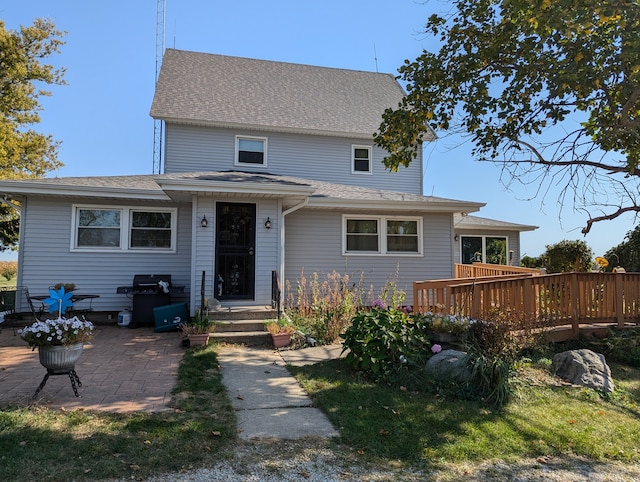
(198, 331)
(449, 329)
(281, 332)
(59, 341)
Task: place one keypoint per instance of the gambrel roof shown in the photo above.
(223, 91)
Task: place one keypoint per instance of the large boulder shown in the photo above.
(584, 367)
(449, 364)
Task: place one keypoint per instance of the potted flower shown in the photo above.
(59, 341)
(447, 328)
(198, 330)
(281, 332)
(68, 287)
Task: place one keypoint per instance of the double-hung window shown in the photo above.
(105, 228)
(382, 235)
(361, 159)
(251, 150)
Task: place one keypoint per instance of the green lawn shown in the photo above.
(381, 423)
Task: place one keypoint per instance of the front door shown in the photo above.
(235, 251)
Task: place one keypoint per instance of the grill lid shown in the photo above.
(150, 280)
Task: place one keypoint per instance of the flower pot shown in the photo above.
(198, 339)
(60, 358)
(281, 339)
(443, 337)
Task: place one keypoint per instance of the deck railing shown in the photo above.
(477, 270)
(550, 300)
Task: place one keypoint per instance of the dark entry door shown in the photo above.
(235, 251)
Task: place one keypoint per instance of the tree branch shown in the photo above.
(608, 217)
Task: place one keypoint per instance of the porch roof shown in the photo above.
(486, 224)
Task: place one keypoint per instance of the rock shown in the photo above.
(449, 364)
(584, 367)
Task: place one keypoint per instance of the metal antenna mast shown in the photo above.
(157, 123)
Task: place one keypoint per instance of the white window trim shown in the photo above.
(250, 138)
(353, 159)
(125, 229)
(382, 235)
(484, 245)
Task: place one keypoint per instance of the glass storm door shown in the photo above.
(235, 251)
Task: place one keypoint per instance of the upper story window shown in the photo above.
(361, 159)
(382, 235)
(121, 228)
(251, 150)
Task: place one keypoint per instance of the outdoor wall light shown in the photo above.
(456, 237)
(267, 223)
(204, 223)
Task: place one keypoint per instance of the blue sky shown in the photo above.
(102, 116)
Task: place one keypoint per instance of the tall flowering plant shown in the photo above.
(61, 331)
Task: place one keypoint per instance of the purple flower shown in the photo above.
(379, 304)
(436, 348)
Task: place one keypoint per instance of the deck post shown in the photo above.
(619, 300)
(575, 318)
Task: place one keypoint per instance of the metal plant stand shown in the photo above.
(73, 376)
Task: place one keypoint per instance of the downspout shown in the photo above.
(282, 250)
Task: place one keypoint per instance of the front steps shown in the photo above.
(242, 325)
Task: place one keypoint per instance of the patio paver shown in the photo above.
(125, 370)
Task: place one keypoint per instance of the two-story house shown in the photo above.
(269, 169)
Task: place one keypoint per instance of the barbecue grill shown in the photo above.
(148, 291)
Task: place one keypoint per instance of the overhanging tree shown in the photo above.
(24, 152)
(550, 90)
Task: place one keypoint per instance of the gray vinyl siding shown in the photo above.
(266, 252)
(46, 258)
(196, 148)
(513, 242)
(313, 241)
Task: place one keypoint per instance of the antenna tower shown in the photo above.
(161, 9)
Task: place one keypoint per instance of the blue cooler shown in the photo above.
(169, 317)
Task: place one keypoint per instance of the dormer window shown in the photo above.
(251, 150)
(361, 159)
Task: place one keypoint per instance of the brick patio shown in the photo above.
(125, 370)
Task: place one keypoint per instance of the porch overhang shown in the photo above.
(185, 189)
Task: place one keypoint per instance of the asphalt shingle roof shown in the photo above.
(152, 185)
(228, 91)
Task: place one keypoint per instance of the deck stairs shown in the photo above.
(242, 325)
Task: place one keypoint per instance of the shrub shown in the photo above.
(323, 308)
(493, 345)
(384, 341)
(8, 269)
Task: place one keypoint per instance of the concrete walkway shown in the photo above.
(269, 402)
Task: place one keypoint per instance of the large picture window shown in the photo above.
(251, 150)
(109, 228)
(382, 235)
(483, 249)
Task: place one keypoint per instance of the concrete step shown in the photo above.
(239, 326)
(253, 338)
(244, 313)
